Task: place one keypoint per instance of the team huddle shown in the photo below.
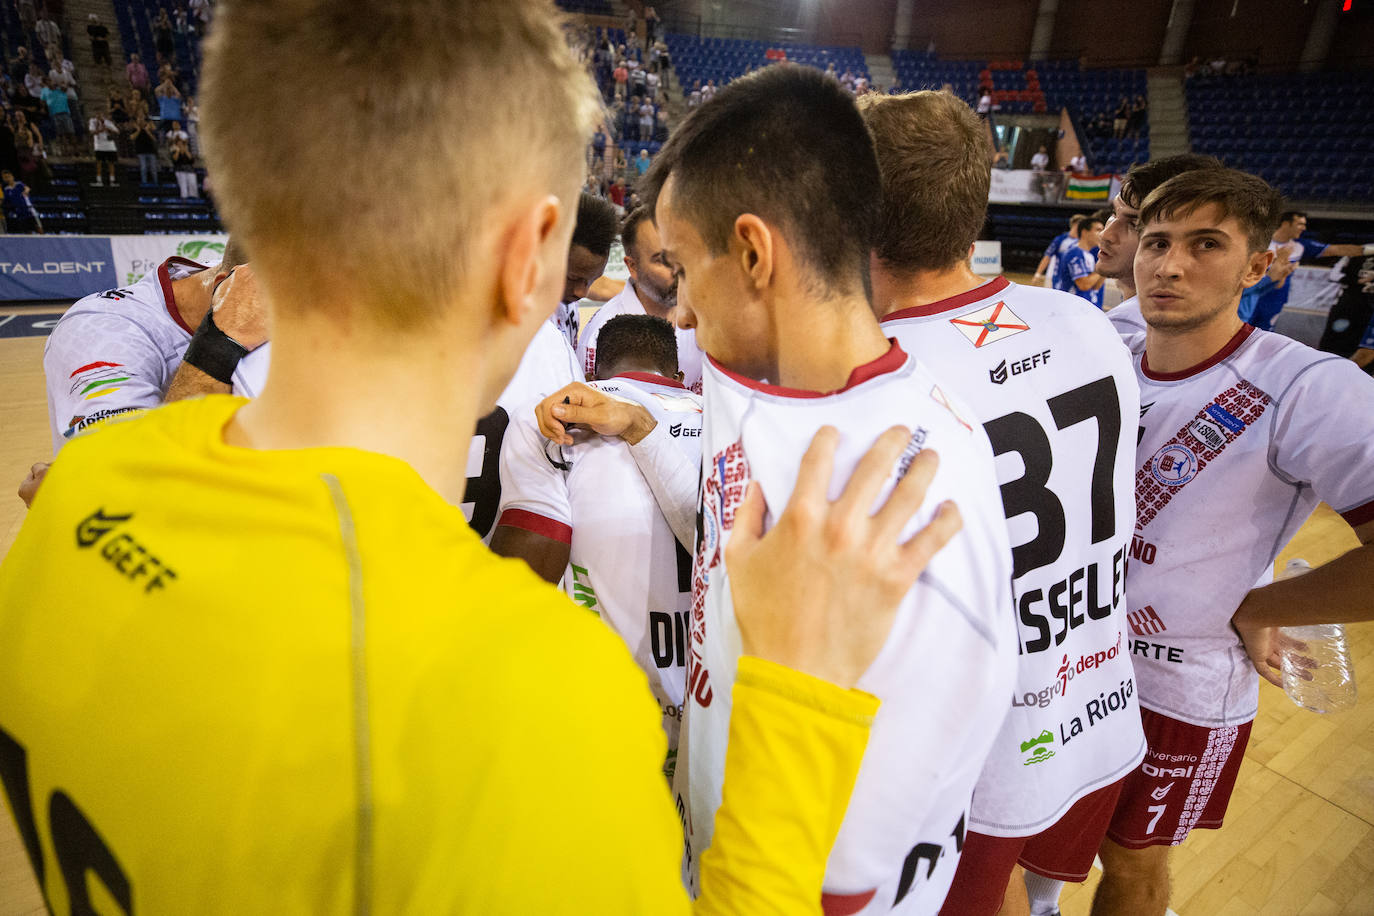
(882, 680)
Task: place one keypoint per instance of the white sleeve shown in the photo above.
(674, 479)
(586, 346)
(1329, 450)
(534, 481)
(97, 366)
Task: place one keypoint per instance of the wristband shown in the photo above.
(214, 352)
(1369, 249)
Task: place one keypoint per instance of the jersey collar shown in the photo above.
(1232, 346)
(164, 278)
(891, 361)
(652, 379)
(989, 289)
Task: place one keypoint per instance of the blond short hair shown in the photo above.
(416, 118)
(934, 153)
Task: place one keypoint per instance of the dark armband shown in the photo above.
(214, 352)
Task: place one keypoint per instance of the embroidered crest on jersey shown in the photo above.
(98, 379)
(989, 325)
(1178, 461)
(721, 494)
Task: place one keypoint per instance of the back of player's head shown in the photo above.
(629, 229)
(1142, 179)
(787, 145)
(1074, 221)
(933, 152)
(397, 163)
(596, 224)
(1247, 199)
(636, 342)
(1288, 216)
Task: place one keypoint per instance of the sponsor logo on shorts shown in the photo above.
(1160, 793)
(583, 592)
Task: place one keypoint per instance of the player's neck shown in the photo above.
(1168, 350)
(1085, 247)
(403, 399)
(893, 292)
(192, 295)
(649, 305)
(820, 343)
(1282, 237)
(1127, 288)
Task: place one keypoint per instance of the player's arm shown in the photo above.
(535, 519)
(1334, 456)
(97, 366)
(235, 326)
(605, 288)
(1344, 251)
(1089, 282)
(672, 476)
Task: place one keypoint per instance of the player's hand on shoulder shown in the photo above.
(28, 488)
(241, 308)
(582, 405)
(819, 592)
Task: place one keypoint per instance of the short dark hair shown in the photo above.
(596, 224)
(933, 152)
(1143, 178)
(629, 228)
(1101, 216)
(645, 338)
(786, 144)
(1287, 216)
(1246, 198)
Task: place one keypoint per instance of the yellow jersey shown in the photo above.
(294, 681)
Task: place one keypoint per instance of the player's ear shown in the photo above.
(529, 267)
(1259, 263)
(755, 249)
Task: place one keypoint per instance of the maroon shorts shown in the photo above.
(1185, 781)
(1064, 850)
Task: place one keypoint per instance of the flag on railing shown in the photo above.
(1089, 187)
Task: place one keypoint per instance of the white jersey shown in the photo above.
(1127, 320)
(115, 351)
(943, 675)
(625, 564)
(566, 320)
(1057, 395)
(626, 302)
(1255, 423)
(548, 365)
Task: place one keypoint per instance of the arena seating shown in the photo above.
(723, 59)
(590, 7)
(1044, 86)
(1310, 135)
(135, 20)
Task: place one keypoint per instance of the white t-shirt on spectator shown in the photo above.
(1040, 162)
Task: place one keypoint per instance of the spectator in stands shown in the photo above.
(651, 81)
(646, 121)
(181, 22)
(145, 147)
(137, 74)
(168, 100)
(650, 24)
(33, 80)
(1119, 120)
(49, 32)
(136, 105)
(1079, 164)
(661, 126)
(115, 107)
(184, 166)
(29, 150)
(176, 133)
(100, 41)
(62, 72)
(599, 149)
(642, 163)
(104, 132)
(708, 92)
(162, 34)
(619, 167)
(1041, 160)
(58, 108)
(9, 161)
(192, 112)
(984, 105)
(21, 217)
(1136, 122)
(28, 15)
(616, 192)
(202, 10)
(621, 75)
(638, 80)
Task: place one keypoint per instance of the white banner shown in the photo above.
(987, 258)
(136, 255)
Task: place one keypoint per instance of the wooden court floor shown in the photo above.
(1298, 839)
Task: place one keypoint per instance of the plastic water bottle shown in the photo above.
(1326, 658)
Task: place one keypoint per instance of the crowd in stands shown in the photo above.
(150, 114)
